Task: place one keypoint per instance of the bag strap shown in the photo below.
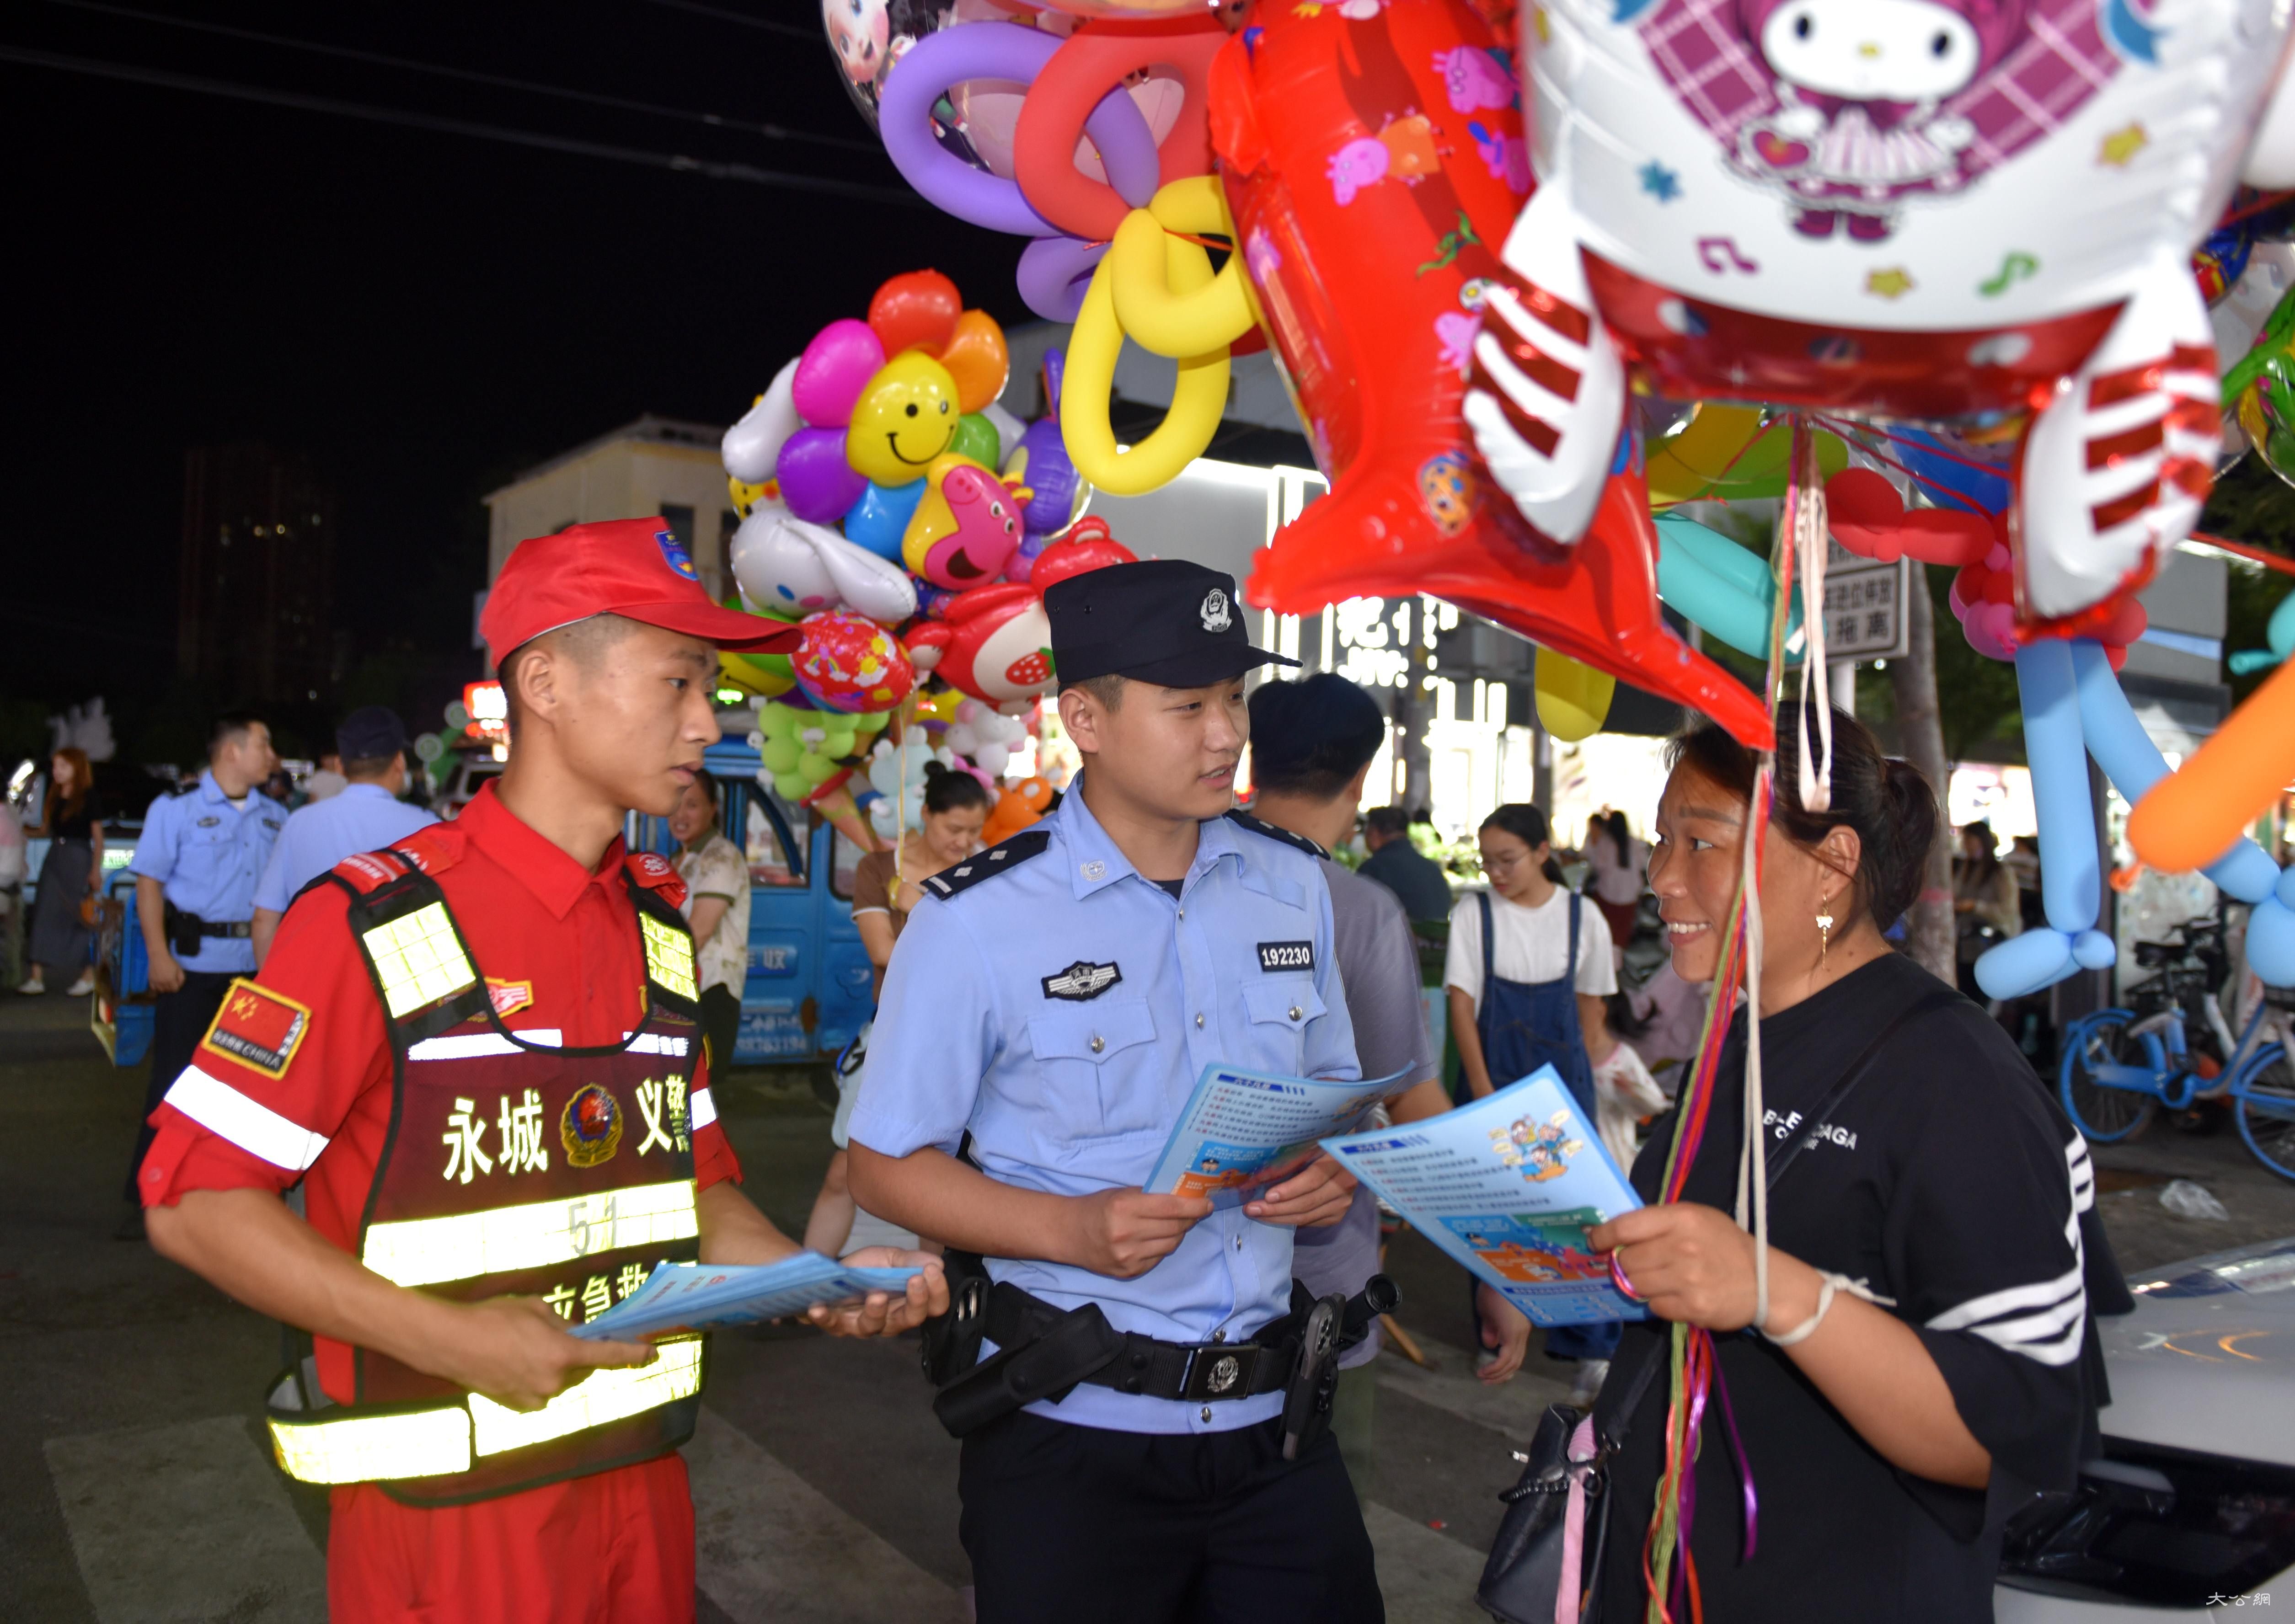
(1779, 1158)
(1570, 974)
(1783, 1155)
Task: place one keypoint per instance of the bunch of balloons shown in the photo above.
(1041, 124)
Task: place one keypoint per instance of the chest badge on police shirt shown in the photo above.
(1080, 981)
(1286, 956)
(591, 1126)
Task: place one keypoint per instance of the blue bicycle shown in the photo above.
(2122, 1066)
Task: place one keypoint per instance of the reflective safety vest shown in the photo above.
(510, 1168)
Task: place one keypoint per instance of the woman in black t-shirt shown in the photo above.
(1887, 1440)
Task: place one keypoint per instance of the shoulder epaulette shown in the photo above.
(368, 872)
(656, 873)
(1001, 858)
(1243, 819)
(434, 847)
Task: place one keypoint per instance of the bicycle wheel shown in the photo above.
(2102, 1112)
(2264, 1101)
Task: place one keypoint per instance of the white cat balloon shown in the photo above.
(788, 566)
(1947, 210)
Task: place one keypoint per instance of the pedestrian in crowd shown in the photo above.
(1984, 901)
(1050, 1006)
(886, 885)
(2023, 861)
(1616, 859)
(1528, 968)
(1401, 867)
(716, 909)
(14, 867)
(1312, 744)
(71, 877)
(197, 863)
(511, 1497)
(366, 815)
(328, 778)
(1929, 1356)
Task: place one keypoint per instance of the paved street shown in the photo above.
(134, 1484)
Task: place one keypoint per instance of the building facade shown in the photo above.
(256, 578)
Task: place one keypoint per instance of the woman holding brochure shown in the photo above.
(1528, 966)
(1927, 1358)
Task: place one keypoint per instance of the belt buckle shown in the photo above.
(1220, 1370)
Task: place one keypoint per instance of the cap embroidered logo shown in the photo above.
(1216, 617)
(674, 554)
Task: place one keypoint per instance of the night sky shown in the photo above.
(420, 313)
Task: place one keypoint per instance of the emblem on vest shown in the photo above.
(1216, 617)
(1080, 981)
(1286, 956)
(591, 1126)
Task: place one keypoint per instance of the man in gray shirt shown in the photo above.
(1312, 744)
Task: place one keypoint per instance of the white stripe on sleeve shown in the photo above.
(1992, 1305)
(229, 1115)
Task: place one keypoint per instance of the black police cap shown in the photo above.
(373, 732)
(1161, 620)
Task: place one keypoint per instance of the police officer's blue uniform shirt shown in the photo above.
(1062, 1011)
(357, 817)
(208, 856)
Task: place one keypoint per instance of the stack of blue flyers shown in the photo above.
(703, 1296)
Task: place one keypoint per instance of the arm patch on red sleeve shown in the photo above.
(656, 874)
(258, 1028)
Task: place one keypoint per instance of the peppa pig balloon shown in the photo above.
(1944, 210)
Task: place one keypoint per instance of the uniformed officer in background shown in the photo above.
(197, 864)
(1055, 999)
(364, 813)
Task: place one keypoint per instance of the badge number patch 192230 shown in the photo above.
(1080, 981)
(258, 1028)
(1286, 956)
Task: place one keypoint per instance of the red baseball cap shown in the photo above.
(634, 568)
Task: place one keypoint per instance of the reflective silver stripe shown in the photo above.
(701, 1109)
(504, 1240)
(448, 1438)
(467, 1046)
(658, 1044)
(369, 1448)
(601, 1396)
(227, 1114)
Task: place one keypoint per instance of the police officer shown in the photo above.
(479, 1051)
(197, 863)
(363, 814)
(1055, 999)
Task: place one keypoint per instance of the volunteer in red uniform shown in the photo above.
(480, 1052)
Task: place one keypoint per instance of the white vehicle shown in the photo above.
(2192, 1508)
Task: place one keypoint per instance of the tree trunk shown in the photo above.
(1929, 925)
(1413, 706)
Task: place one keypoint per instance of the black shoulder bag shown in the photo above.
(1524, 1575)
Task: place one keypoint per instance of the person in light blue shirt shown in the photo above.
(196, 865)
(364, 815)
(1044, 1018)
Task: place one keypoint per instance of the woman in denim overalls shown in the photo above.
(1506, 1029)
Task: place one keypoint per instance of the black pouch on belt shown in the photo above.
(183, 930)
(952, 1340)
(1045, 1366)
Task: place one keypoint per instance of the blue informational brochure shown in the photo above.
(702, 1297)
(1508, 1185)
(1242, 1130)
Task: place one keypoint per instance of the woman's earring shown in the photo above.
(1825, 931)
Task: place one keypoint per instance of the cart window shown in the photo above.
(772, 861)
(840, 873)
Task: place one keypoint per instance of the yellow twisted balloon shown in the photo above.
(1157, 288)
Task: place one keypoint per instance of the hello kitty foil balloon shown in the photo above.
(1927, 210)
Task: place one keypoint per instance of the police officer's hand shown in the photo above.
(167, 975)
(517, 1351)
(881, 1313)
(1315, 1197)
(1126, 1232)
(1506, 1333)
